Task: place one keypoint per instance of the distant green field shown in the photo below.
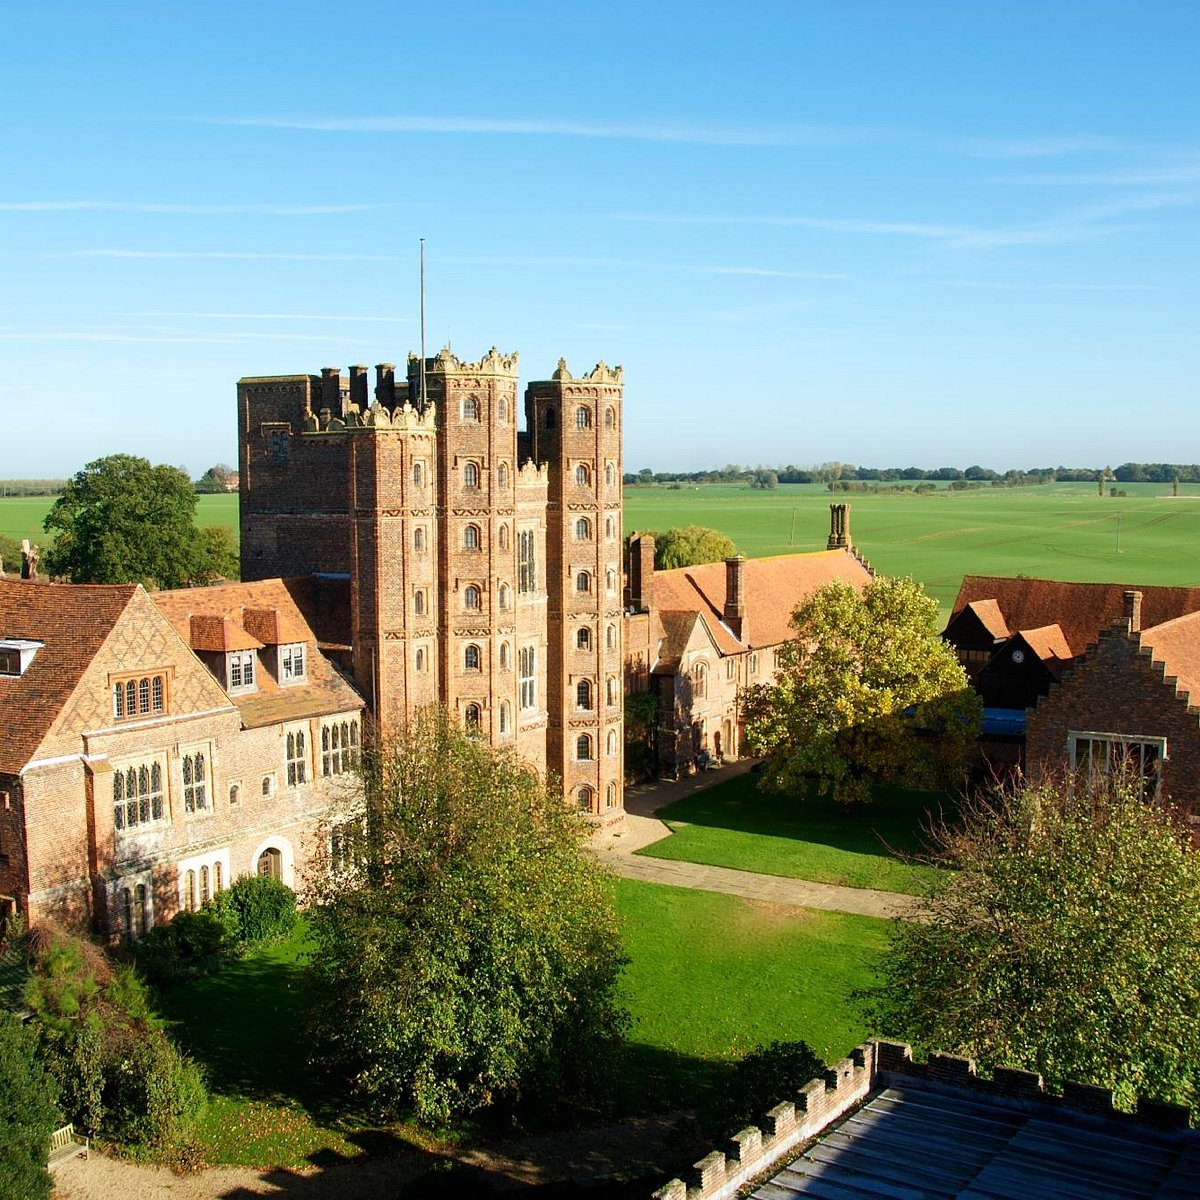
(1060, 530)
(22, 516)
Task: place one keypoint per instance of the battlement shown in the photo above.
(600, 373)
(492, 363)
(531, 474)
(872, 1067)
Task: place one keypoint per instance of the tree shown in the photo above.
(220, 558)
(688, 545)
(215, 479)
(1065, 941)
(28, 1114)
(765, 479)
(120, 520)
(867, 694)
(467, 950)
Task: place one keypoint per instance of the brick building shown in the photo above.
(698, 636)
(157, 747)
(482, 561)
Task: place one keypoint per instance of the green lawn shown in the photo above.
(1058, 530)
(22, 516)
(712, 976)
(802, 837)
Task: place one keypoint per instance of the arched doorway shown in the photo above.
(270, 863)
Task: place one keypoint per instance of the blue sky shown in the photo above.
(881, 233)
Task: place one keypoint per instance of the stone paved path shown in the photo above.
(616, 849)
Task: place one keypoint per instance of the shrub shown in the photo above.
(191, 945)
(28, 1114)
(153, 1095)
(255, 909)
(763, 1078)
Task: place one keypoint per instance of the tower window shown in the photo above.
(502, 537)
(583, 417)
(583, 638)
(609, 528)
(504, 656)
(582, 475)
(610, 637)
(470, 408)
(583, 798)
(504, 717)
(527, 672)
(526, 563)
(583, 694)
(419, 603)
(610, 474)
(583, 748)
(583, 582)
(471, 537)
(610, 418)
(502, 596)
(471, 597)
(471, 475)
(418, 474)
(472, 714)
(583, 529)
(419, 660)
(419, 539)
(502, 475)
(471, 658)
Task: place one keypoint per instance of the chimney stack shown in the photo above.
(331, 389)
(1133, 611)
(735, 596)
(641, 572)
(358, 387)
(385, 384)
(839, 527)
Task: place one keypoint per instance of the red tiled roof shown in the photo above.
(990, 617)
(323, 691)
(772, 587)
(1047, 642)
(272, 627)
(1176, 644)
(218, 634)
(73, 620)
(1081, 610)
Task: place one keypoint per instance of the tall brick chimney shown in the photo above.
(358, 387)
(331, 390)
(839, 527)
(735, 596)
(1133, 611)
(385, 384)
(641, 572)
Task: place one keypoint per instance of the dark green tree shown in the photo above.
(28, 1114)
(220, 556)
(120, 520)
(867, 693)
(467, 949)
(688, 545)
(1065, 941)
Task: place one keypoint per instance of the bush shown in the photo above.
(153, 1095)
(763, 1078)
(28, 1114)
(255, 909)
(193, 944)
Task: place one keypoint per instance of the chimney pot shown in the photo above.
(735, 595)
(1133, 611)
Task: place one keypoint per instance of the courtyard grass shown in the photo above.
(712, 976)
(709, 978)
(804, 837)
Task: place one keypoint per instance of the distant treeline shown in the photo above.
(844, 476)
(31, 487)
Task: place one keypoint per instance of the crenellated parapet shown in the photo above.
(492, 363)
(600, 373)
(871, 1068)
(531, 474)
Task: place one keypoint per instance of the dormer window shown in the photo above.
(16, 654)
(239, 668)
(292, 666)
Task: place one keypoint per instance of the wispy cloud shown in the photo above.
(1037, 147)
(829, 224)
(245, 316)
(207, 210)
(621, 264)
(1036, 286)
(640, 131)
(250, 255)
(89, 335)
(1180, 170)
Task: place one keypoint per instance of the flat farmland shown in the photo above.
(1061, 531)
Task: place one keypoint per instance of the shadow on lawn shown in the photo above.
(894, 822)
(549, 1154)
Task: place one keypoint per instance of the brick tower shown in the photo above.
(575, 428)
(483, 564)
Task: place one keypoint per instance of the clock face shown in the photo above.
(1018, 656)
